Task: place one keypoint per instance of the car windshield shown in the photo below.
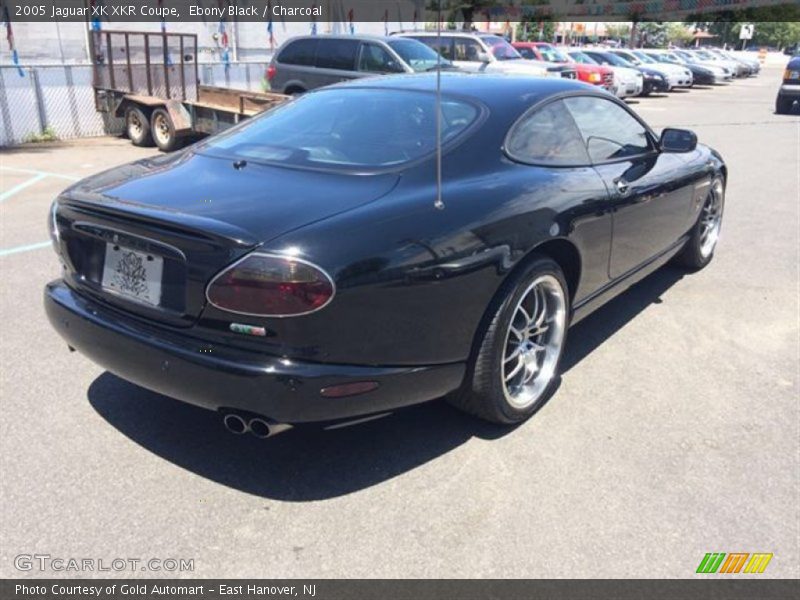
(629, 57)
(613, 59)
(345, 129)
(645, 58)
(684, 55)
(582, 58)
(417, 55)
(500, 48)
(659, 58)
(704, 55)
(551, 54)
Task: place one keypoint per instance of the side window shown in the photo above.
(375, 59)
(443, 47)
(337, 54)
(548, 135)
(527, 53)
(609, 130)
(301, 52)
(466, 49)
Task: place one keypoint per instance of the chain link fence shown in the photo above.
(57, 101)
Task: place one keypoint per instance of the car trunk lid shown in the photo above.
(190, 216)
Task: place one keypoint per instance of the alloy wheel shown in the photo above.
(711, 220)
(533, 342)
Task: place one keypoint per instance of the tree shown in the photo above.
(465, 11)
(617, 31)
(678, 34)
(528, 31)
(653, 35)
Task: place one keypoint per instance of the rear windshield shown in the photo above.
(347, 128)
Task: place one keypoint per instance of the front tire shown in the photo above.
(163, 130)
(699, 249)
(515, 367)
(137, 126)
(783, 106)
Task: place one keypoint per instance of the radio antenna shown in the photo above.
(439, 204)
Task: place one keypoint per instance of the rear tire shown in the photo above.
(699, 249)
(783, 106)
(515, 366)
(137, 126)
(163, 130)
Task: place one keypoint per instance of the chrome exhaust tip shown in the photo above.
(235, 424)
(263, 429)
(260, 428)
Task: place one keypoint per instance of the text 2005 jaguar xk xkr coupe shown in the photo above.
(298, 268)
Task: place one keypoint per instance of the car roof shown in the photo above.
(467, 34)
(499, 92)
(342, 36)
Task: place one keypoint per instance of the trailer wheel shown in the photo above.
(137, 126)
(164, 130)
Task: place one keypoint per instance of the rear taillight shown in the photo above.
(271, 285)
(271, 71)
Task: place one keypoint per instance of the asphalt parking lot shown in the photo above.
(675, 431)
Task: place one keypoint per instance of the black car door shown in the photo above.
(560, 190)
(651, 196)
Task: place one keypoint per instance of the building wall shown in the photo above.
(66, 43)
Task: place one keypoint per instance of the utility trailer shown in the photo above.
(152, 81)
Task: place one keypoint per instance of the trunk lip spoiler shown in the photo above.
(98, 204)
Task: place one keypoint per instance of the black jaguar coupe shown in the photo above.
(306, 265)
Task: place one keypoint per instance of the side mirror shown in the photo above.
(394, 67)
(678, 140)
(484, 57)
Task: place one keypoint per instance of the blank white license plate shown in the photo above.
(133, 274)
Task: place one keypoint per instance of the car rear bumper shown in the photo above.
(173, 363)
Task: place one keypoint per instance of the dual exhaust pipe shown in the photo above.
(259, 427)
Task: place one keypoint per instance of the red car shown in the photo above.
(594, 74)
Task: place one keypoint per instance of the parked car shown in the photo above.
(298, 267)
(663, 83)
(308, 62)
(679, 75)
(751, 65)
(737, 68)
(728, 71)
(789, 91)
(652, 81)
(701, 74)
(593, 74)
(480, 52)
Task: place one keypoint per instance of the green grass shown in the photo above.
(48, 135)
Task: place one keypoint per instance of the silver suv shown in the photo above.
(309, 62)
(482, 52)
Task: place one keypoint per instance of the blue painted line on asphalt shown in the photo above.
(25, 248)
(44, 173)
(21, 186)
